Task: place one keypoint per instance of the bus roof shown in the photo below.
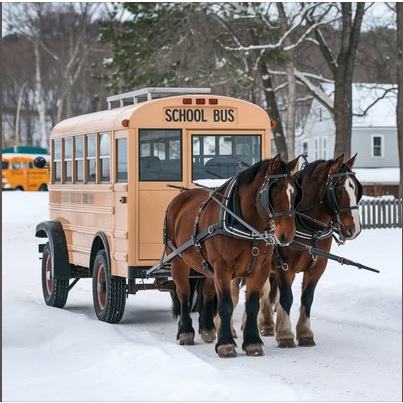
(25, 150)
(111, 119)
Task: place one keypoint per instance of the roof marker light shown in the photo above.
(213, 101)
(187, 101)
(200, 101)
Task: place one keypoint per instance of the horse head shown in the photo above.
(333, 184)
(276, 198)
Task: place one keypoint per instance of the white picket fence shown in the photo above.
(381, 213)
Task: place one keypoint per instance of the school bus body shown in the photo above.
(130, 213)
(18, 173)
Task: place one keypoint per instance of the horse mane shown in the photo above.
(248, 175)
(309, 168)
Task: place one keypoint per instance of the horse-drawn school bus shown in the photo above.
(109, 177)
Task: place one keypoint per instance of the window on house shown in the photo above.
(105, 156)
(377, 146)
(79, 155)
(305, 149)
(91, 158)
(316, 148)
(121, 160)
(68, 160)
(57, 160)
(324, 148)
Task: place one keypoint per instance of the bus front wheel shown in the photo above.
(109, 292)
(55, 291)
(43, 187)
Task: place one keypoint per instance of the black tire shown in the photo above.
(108, 292)
(19, 188)
(43, 187)
(55, 291)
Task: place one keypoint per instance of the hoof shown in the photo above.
(226, 351)
(186, 339)
(254, 350)
(208, 336)
(267, 331)
(306, 342)
(286, 343)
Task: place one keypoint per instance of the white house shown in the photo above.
(374, 135)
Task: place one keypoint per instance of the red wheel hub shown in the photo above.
(101, 287)
(49, 275)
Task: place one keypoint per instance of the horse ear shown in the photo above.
(351, 161)
(275, 163)
(293, 165)
(336, 165)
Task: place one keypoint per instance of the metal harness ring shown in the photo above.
(255, 251)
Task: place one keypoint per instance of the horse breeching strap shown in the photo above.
(319, 252)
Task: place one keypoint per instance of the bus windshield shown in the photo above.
(4, 164)
(223, 156)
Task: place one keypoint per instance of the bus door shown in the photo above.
(18, 173)
(160, 160)
(120, 201)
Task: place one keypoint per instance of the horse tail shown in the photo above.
(195, 297)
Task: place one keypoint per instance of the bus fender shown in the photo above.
(100, 242)
(53, 230)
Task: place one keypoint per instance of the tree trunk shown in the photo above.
(399, 69)
(272, 110)
(343, 75)
(40, 97)
(291, 101)
(18, 114)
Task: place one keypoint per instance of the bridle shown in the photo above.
(330, 200)
(332, 182)
(264, 195)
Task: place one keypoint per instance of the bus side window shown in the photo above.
(104, 157)
(121, 160)
(91, 158)
(78, 160)
(57, 160)
(4, 164)
(68, 160)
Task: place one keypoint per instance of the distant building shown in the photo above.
(374, 136)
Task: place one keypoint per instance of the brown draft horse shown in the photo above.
(230, 257)
(330, 195)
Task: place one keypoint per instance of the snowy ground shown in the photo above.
(53, 354)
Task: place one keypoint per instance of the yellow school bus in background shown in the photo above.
(19, 173)
(109, 177)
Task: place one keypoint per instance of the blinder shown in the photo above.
(331, 192)
(264, 196)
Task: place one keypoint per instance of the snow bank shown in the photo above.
(53, 355)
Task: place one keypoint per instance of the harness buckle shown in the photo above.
(255, 251)
(284, 267)
(210, 229)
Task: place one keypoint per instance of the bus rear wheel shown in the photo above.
(43, 187)
(109, 292)
(55, 291)
(19, 189)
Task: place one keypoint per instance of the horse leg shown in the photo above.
(284, 334)
(235, 285)
(252, 343)
(304, 332)
(265, 316)
(225, 346)
(180, 274)
(208, 310)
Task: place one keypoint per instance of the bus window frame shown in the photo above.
(217, 133)
(116, 159)
(86, 158)
(99, 158)
(54, 161)
(75, 159)
(65, 161)
(181, 157)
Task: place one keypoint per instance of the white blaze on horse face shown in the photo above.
(349, 186)
(290, 191)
